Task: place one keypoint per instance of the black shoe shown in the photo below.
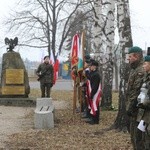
(92, 122)
(86, 119)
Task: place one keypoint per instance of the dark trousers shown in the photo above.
(136, 135)
(45, 89)
(95, 118)
(146, 135)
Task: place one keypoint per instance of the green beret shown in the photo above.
(147, 58)
(134, 49)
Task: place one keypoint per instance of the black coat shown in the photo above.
(95, 80)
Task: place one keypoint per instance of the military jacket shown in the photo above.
(144, 114)
(134, 85)
(47, 71)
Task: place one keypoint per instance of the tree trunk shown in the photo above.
(124, 28)
(108, 57)
(97, 32)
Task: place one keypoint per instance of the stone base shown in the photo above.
(44, 114)
(22, 102)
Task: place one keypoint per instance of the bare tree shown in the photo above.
(44, 23)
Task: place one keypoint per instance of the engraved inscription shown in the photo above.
(14, 76)
(13, 90)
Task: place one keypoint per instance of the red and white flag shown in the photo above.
(56, 69)
(93, 104)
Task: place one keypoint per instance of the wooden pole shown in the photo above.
(81, 73)
(74, 96)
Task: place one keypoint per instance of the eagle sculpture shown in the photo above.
(11, 43)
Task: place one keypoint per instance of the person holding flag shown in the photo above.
(45, 74)
(94, 93)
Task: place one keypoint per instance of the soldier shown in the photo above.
(135, 57)
(45, 72)
(144, 104)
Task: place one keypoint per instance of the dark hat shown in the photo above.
(91, 60)
(147, 58)
(46, 57)
(94, 63)
(87, 56)
(134, 49)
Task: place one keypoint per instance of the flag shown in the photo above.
(74, 50)
(52, 60)
(93, 104)
(80, 54)
(56, 68)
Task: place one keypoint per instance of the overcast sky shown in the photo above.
(140, 22)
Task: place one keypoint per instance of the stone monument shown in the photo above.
(14, 77)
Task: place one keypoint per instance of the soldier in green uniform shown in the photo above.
(135, 57)
(144, 103)
(46, 73)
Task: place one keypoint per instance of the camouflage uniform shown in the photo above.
(133, 90)
(144, 113)
(46, 81)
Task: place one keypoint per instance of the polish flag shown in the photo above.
(56, 69)
(93, 104)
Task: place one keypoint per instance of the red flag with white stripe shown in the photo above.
(93, 104)
(56, 69)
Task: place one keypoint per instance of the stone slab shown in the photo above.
(23, 102)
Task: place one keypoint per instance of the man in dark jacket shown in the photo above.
(45, 72)
(94, 93)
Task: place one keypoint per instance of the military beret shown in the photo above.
(147, 58)
(46, 57)
(94, 63)
(134, 49)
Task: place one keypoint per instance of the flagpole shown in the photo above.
(80, 89)
(74, 96)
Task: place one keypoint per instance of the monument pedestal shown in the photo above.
(14, 77)
(21, 102)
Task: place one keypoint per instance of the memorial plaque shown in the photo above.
(13, 90)
(14, 76)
